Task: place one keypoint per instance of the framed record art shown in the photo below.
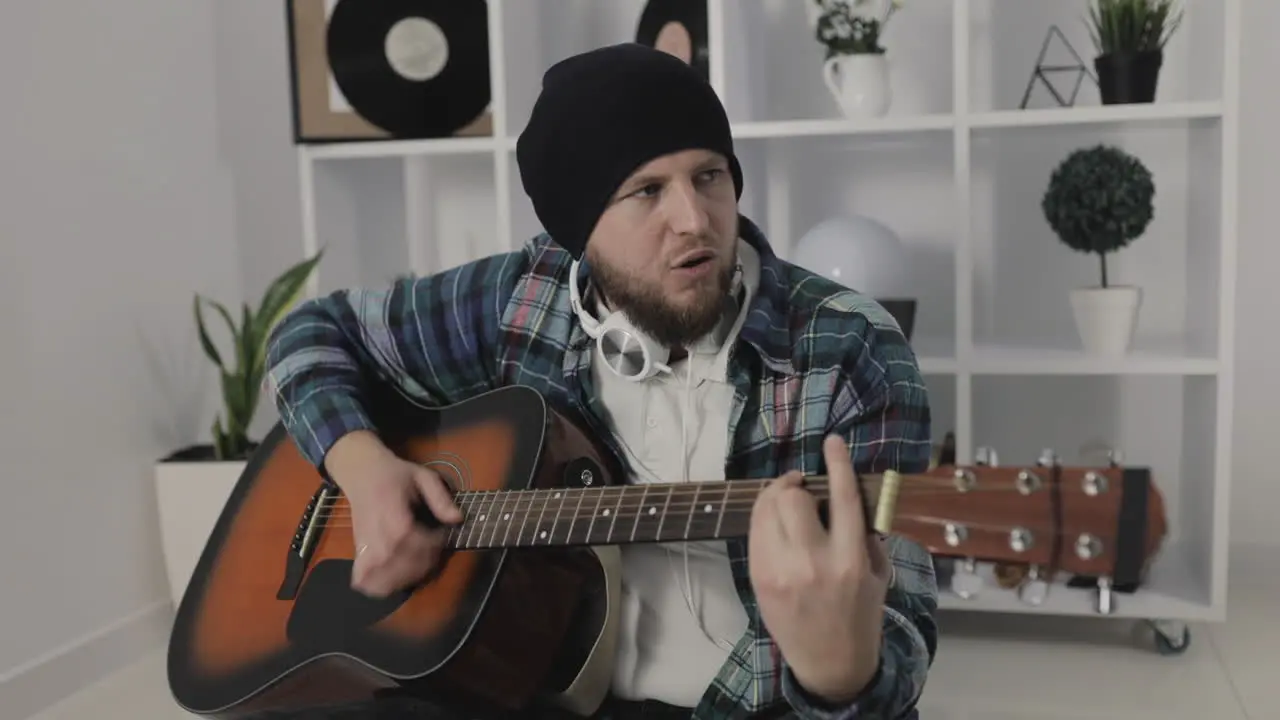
(677, 27)
(389, 70)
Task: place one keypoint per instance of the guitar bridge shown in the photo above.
(305, 540)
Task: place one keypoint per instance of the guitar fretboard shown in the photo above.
(604, 516)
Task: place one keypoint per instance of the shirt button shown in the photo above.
(653, 422)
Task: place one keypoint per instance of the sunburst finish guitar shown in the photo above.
(523, 607)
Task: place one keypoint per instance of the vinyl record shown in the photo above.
(415, 68)
(678, 27)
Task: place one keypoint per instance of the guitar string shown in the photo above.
(678, 504)
(682, 498)
(619, 527)
(751, 488)
(1067, 530)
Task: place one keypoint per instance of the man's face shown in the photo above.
(665, 247)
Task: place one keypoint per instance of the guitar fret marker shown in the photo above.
(653, 511)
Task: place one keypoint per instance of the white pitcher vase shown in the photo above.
(859, 83)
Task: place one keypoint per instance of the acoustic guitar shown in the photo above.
(522, 609)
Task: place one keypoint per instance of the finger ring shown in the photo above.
(361, 550)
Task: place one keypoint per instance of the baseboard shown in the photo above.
(34, 686)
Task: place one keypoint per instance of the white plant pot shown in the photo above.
(859, 84)
(1106, 318)
(191, 496)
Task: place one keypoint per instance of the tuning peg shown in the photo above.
(1020, 539)
(1034, 588)
(1048, 458)
(1088, 546)
(1094, 483)
(1027, 482)
(965, 581)
(1105, 600)
(986, 456)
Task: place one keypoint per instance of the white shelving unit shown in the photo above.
(958, 170)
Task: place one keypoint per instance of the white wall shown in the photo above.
(116, 204)
(122, 146)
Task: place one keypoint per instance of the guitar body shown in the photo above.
(269, 620)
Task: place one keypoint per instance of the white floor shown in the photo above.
(990, 667)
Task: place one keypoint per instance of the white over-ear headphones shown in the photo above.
(630, 353)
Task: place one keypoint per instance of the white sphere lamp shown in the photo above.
(862, 254)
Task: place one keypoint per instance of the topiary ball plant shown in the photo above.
(1099, 200)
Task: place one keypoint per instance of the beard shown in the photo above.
(649, 311)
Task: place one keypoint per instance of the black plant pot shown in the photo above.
(1125, 78)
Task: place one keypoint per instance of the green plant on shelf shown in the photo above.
(242, 383)
(1099, 200)
(1128, 27)
(854, 27)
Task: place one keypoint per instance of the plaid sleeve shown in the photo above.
(432, 338)
(882, 409)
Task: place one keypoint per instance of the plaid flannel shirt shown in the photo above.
(812, 358)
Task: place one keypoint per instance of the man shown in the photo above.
(740, 365)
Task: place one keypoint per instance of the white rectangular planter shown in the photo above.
(191, 496)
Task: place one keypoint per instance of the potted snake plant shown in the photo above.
(194, 482)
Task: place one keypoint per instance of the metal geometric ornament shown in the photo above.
(1042, 70)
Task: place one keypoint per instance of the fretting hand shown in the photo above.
(821, 591)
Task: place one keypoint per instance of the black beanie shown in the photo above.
(601, 115)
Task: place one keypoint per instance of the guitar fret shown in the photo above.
(472, 525)
(649, 516)
(487, 508)
(568, 536)
(635, 524)
(508, 516)
(470, 520)
(590, 536)
(692, 511)
(662, 516)
(613, 519)
(703, 516)
(555, 518)
(724, 500)
(540, 530)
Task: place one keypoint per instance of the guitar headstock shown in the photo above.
(1104, 521)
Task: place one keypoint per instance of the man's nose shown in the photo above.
(685, 209)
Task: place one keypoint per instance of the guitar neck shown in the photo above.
(615, 515)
